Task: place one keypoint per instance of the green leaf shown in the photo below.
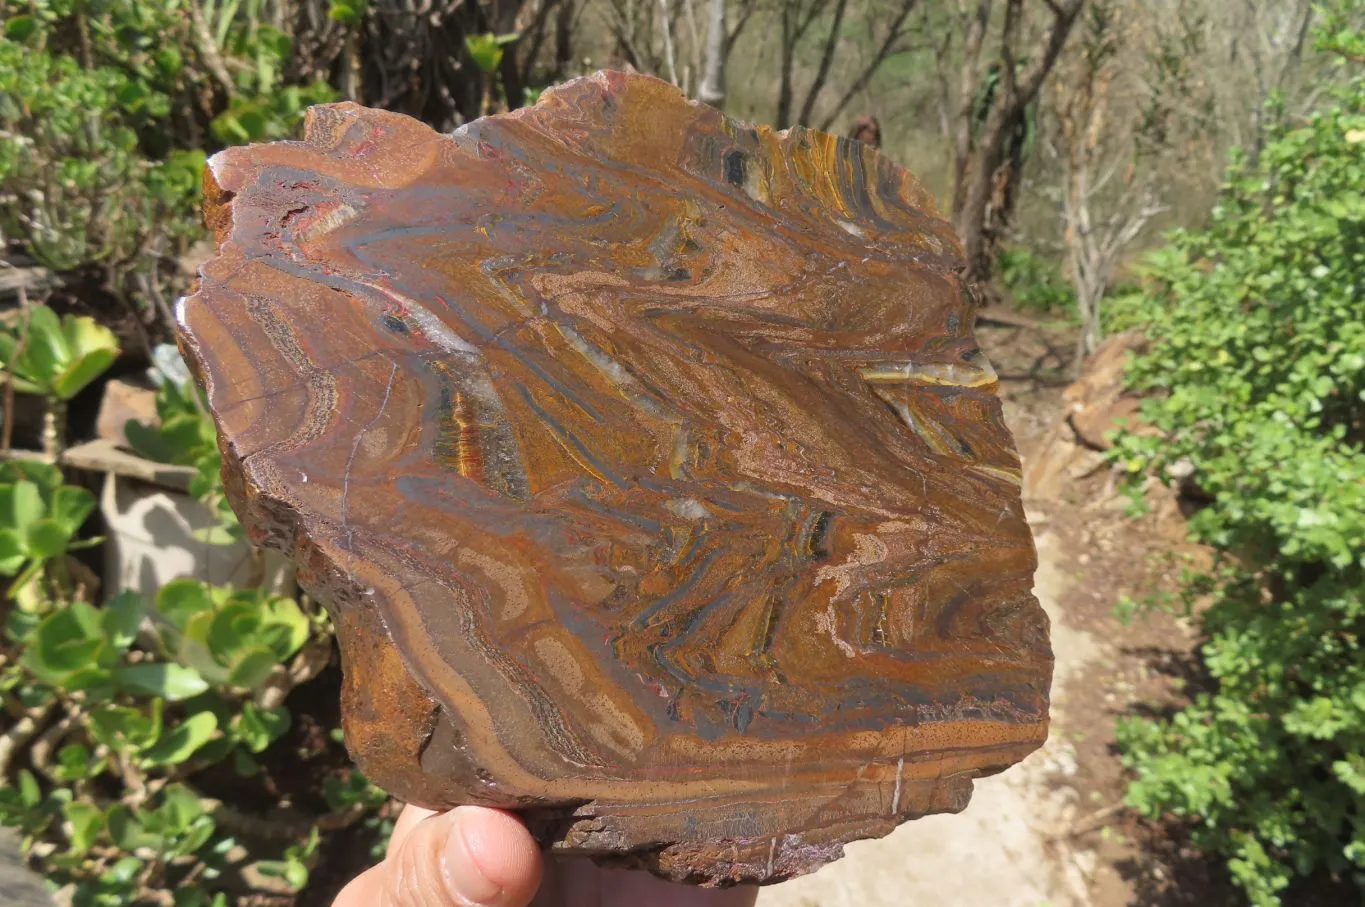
(180, 807)
(292, 871)
(233, 630)
(243, 764)
(343, 11)
(252, 668)
(75, 763)
(272, 868)
(229, 130)
(71, 506)
(181, 599)
(86, 822)
(486, 50)
(287, 628)
(13, 552)
(67, 640)
(81, 372)
(261, 727)
(91, 349)
(169, 62)
(30, 795)
(21, 626)
(47, 477)
(46, 539)
(45, 351)
(121, 618)
(196, 836)
(296, 874)
(93, 680)
(122, 872)
(20, 28)
(192, 649)
(121, 727)
(181, 741)
(171, 682)
(127, 830)
(150, 442)
(21, 505)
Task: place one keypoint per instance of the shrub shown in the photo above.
(1256, 375)
(105, 124)
(1035, 283)
(129, 722)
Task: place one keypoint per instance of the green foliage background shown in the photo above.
(107, 111)
(1256, 375)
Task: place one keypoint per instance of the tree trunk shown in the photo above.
(712, 89)
(564, 20)
(978, 223)
(987, 165)
(968, 87)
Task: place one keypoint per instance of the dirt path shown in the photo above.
(1013, 846)
(18, 886)
(1002, 851)
(1052, 831)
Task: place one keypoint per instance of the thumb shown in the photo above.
(468, 857)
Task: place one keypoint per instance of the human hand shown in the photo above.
(477, 857)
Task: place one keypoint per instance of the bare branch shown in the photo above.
(19, 734)
(207, 49)
(826, 59)
(810, 14)
(1062, 21)
(894, 33)
(746, 12)
(967, 82)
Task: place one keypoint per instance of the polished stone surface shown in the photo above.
(646, 462)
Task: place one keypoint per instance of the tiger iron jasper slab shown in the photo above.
(646, 462)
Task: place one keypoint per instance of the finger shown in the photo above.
(407, 821)
(469, 857)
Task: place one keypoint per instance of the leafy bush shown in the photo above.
(1256, 375)
(76, 188)
(129, 722)
(129, 703)
(1035, 283)
(105, 124)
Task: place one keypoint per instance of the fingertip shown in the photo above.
(492, 857)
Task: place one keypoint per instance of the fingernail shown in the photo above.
(464, 876)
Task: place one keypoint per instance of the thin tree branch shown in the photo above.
(894, 34)
(746, 13)
(826, 60)
(1033, 77)
(967, 89)
(207, 49)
